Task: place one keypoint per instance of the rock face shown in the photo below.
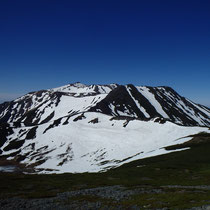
(151, 102)
(78, 128)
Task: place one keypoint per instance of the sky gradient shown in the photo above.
(45, 44)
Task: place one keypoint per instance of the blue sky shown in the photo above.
(45, 44)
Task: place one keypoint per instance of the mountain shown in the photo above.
(45, 105)
(115, 100)
(80, 128)
(149, 102)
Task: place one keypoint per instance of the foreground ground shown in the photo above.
(178, 180)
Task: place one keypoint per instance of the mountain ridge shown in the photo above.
(138, 101)
(90, 128)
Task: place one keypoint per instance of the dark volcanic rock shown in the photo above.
(129, 101)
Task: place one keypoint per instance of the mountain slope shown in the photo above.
(149, 102)
(45, 105)
(80, 128)
(91, 142)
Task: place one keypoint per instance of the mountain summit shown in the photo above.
(79, 128)
(141, 102)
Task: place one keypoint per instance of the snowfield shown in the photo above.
(83, 146)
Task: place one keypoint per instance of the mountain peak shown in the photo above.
(78, 84)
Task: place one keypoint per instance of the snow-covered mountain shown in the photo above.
(79, 128)
(149, 102)
(47, 105)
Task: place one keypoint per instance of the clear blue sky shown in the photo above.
(49, 43)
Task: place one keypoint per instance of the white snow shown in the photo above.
(79, 88)
(91, 144)
(202, 110)
(137, 104)
(151, 98)
(68, 103)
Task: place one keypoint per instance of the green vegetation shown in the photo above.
(189, 167)
(178, 199)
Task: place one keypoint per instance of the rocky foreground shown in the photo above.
(111, 197)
